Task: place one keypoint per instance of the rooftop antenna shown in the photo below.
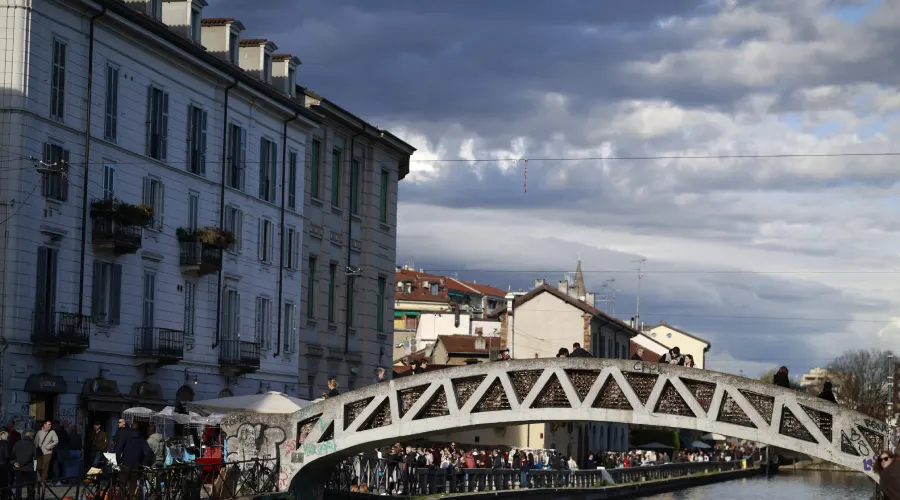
(637, 312)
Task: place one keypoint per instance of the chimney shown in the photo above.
(590, 298)
(284, 73)
(479, 344)
(539, 282)
(222, 37)
(479, 331)
(184, 17)
(256, 57)
(152, 8)
(564, 286)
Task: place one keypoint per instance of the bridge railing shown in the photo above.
(377, 476)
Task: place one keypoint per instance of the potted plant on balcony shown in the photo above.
(134, 215)
(102, 207)
(211, 236)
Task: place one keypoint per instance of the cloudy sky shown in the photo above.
(775, 260)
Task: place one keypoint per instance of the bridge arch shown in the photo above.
(554, 390)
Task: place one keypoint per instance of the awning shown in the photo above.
(103, 395)
(45, 383)
(398, 314)
(148, 395)
(412, 313)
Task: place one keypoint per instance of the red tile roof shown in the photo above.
(251, 42)
(446, 284)
(281, 57)
(487, 289)
(216, 21)
(405, 371)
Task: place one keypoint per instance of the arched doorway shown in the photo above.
(225, 393)
(184, 394)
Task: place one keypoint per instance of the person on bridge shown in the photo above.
(828, 393)
(379, 375)
(563, 353)
(781, 378)
(889, 472)
(579, 352)
(638, 355)
(671, 357)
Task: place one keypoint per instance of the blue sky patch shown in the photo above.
(853, 14)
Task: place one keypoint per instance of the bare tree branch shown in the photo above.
(860, 381)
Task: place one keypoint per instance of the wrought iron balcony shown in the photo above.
(60, 333)
(200, 258)
(115, 227)
(239, 356)
(161, 346)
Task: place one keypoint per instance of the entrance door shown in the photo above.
(45, 293)
(41, 408)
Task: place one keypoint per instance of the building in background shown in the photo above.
(671, 336)
(350, 245)
(814, 381)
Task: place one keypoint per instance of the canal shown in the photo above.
(812, 485)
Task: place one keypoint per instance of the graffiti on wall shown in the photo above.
(256, 441)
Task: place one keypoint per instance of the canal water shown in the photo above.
(812, 485)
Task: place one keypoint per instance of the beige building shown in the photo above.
(671, 336)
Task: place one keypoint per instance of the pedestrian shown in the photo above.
(671, 357)
(828, 393)
(97, 444)
(889, 474)
(46, 442)
(73, 465)
(563, 353)
(5, 466)
(781, 378)
(687, 360)
(638, 355)
(379, 375)
(332, 389)
(420, 367)
(23, 455)
(579, 352)
(132, 452)
(60, 457)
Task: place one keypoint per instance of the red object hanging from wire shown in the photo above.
(526, 176)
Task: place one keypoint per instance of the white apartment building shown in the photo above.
(349, 244)
(106, 306)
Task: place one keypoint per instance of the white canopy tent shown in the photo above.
(270, 402)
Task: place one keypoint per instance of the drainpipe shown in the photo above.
(87, 156)
(350, 238)
(281, 251)
(222, 210)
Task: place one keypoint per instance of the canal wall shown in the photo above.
(624, 491)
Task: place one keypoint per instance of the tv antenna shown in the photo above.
(637, 312)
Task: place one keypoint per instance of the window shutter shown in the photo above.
(203, 142)
(45, 179)
(53, 274)
(273, 174)
(161, 193)
(237, 315)
(147, 200)
(96, 285)
(238, 229)
(149, 123)
(269, 319)
(285, 244)
(63, 177)
(263, 169)
(229, 220)
(259, 321)
(243, 163)
(115, 290)
(41, 289)
(190, 134)
(164, 126)
(259, 240)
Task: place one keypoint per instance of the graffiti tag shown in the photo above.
(878, 426)
(868, 463)
(640, 366)
(857, 439)
(316, 449)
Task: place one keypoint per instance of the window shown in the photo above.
(267, 159)
(265, 246)
(234, 222)
(109, 182)
(379, 314)
(332, 288)
(237, 154)
(311, 288)
(193, 210)
(267, 68)
(106, 293)
(336, 178)
(291, 249)
(45, 294)
(55, 184)
(157, 123)
(383, 201)
(435, 288)
(264, 322)
(310, 387)
(354, 187)
(195, 25)
(154, 9)
(58, 81)
(154, 197)
(231, 314)
(351, 284)
(111, 118)
(292, 82)
(290, 327)
(292, 181)
(190, 305)
(196, 141)
(149, 299)
(314, 170)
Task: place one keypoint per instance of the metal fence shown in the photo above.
(377, 476)
(229, 481)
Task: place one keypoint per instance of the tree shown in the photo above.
(860, 381)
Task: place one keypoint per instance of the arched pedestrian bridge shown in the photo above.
(548, 390)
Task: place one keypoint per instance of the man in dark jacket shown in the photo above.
(828, 393)
(23, 464)
(132, 452)
(638, 354)
(579, 352)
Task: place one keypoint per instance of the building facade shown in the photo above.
(687, 343)
(152, 207)
(350, 248)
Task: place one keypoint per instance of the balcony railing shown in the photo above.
(113, 228)
(60, 332)
(160, 345)
(200, 258)
(239, 356)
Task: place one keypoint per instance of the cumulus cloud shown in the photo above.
(775, 260)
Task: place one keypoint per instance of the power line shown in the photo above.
(758, 156)
(645, 271)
